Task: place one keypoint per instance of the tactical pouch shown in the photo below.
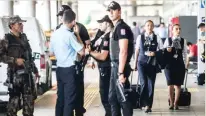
(17, 80)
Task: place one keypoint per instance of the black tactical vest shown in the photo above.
(17, 47)
(114, 45)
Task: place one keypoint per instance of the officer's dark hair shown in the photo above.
(69, 16)
(150, 22)
(189, 43)
(134, 23)
(175, 25)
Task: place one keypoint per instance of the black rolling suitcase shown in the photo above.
(185, 95)
(135, 94)
(201, 79)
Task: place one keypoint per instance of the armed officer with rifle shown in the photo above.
(101, 55)
(15, 51)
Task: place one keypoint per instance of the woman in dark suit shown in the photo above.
(147, 45)
(175, 68)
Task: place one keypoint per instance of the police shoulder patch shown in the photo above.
(122, 31)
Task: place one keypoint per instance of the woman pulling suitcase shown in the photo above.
(147, 46)
(175, 67)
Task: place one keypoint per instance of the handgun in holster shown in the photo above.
(77, 67)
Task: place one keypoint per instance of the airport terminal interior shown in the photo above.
(42, 19)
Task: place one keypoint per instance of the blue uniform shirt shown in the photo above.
(65, 46)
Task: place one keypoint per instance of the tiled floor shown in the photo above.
(160, 106)
(45, 105)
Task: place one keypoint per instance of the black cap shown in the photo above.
(114, 6)
(105, 19)
(63, 8)
(201, 25)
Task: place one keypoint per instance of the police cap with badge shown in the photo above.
(114, 6)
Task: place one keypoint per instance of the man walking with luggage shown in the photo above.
(121, 50)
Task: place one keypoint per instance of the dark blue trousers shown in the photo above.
(79, 108)
(66, 93)
(147, 75)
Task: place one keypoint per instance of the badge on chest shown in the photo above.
(175, 56)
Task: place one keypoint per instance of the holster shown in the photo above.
(78, 67)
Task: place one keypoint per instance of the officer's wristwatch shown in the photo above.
(119, 74)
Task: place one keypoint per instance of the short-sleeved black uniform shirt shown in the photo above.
(104, 46)
(121, 31)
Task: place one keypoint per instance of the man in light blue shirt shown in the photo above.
(162, 32)
(66, 47)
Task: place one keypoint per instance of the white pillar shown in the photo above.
(30, 6)
(58, 4)
(47, 15)
(6, 8)
(132, 10)
(75, 9)
(200, 18)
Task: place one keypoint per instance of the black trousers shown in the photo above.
(147, 75)
(114, 100)
(66, 94)
(104, 83)
(79, 108)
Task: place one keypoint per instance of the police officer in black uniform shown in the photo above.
(79, 68)
(16, 52)
(121, 50)
(101, 54)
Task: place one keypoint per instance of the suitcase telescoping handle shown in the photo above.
(185, 84)
(131, 81)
